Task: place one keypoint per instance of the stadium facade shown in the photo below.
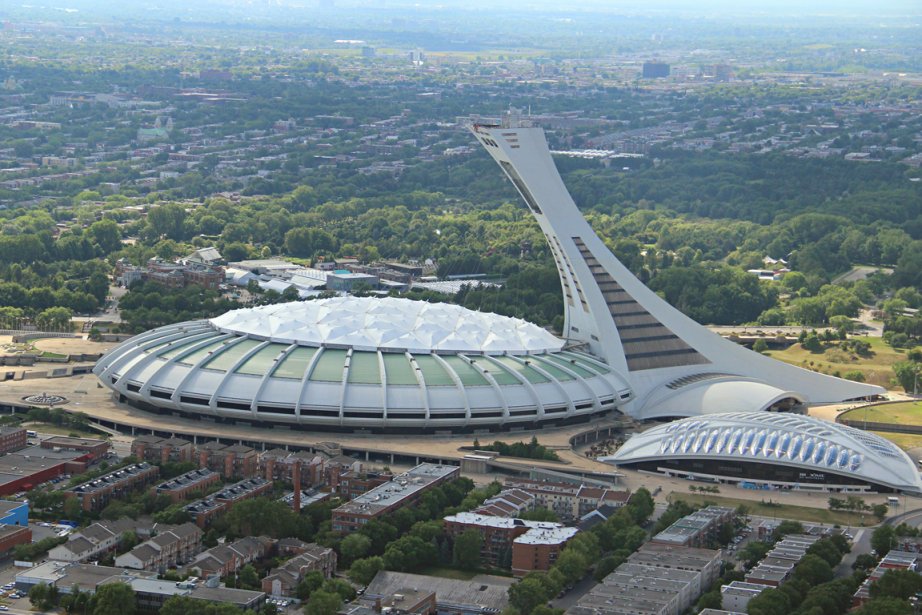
(771, 450)
(399, 365)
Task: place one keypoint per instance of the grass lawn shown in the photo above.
(905, 413)
(876, 367)
(905, 441)
(781, 511)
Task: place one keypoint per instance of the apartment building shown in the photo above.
(94, 495)
(190, 484)
(283, 580)
(166, 550)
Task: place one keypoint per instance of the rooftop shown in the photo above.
(398, 489)
(391, 323)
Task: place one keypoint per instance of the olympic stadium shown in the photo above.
(763, 449)
(395, 365)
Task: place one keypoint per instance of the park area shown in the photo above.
(876, 366)
(769, 506)
(901, 413)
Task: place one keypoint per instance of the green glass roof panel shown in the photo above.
(551, 368)
(202, 353)
(433, 373)
(329, 367)
(262, 362)
(364, 368)
(225, 359)
(295, 364)
(398, 369)
(170, 351)
(500, 373)
(590, 365)
(571, 365)
(529, 373)
(470, 376)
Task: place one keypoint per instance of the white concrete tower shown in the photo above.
(675, 366)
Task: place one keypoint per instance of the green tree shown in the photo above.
(466, 552)
(323, 603)
(311, 582)
(363, 571)
(882, 539)
(114, 599)
(908, 374)
(529, 593)
(248, 578)
(897, 584)
(354, 546)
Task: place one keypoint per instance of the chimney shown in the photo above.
(203, 458)
(296, 479)
(270, 468)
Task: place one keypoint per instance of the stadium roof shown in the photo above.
(388, 323)
(773, 438)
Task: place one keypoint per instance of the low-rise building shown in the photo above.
(699, 529)
(167, 549)
(231, 462)
(509, 542)
(92, 542)
(893, 560)
(95, 494)
(150, 593)
(204, 511)
(12, 439)
(13, 535)
(481, 596)
(779, 563)
(283, 580)
(736, 595)
(278, 464)
(162, 450)
(14, 512)
(404, 490)
(191, 484)
(226, 559)
(658, 579)
(95, 448)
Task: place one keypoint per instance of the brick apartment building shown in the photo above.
(162, 450)
(12, 439)
(226, 559)
(204, 511)
(278, 464)
(190, 484)
(404, 490)
(235, 461)
(94, 495)
(521, 545)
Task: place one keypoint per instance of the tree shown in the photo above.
(354, 546)
(338, 586)
(864, 561)
(363, 571)
(770, 602)
(885, 605)
(908, 374)
(248, 578)
(897, 584)
(114, 599)
(323, 603)
(529, 593)
(760, 345)
(311, 582)
(466, 552)
(882, 539)
(879, 511)
(106, 235)
(814, 570)
(167, 220)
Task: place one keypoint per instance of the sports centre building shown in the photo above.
(767, 449)
(395, 365)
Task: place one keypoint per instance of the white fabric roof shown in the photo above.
(365, 322)
(780, 438)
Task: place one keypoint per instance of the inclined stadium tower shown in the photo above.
(396, 365)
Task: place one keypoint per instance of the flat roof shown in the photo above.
(397, 489)
(72, 441)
